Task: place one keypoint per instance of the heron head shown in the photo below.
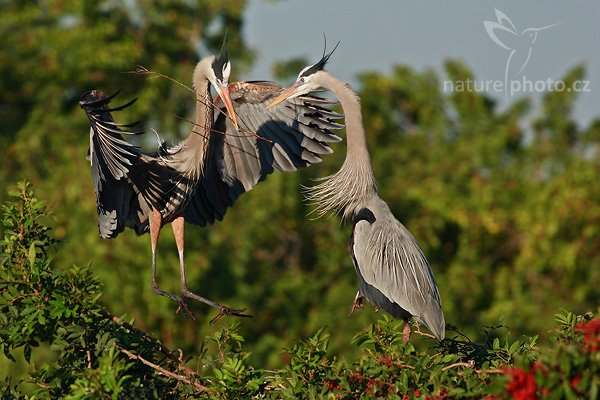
(220, 70)
(307, 81)
(216, 70)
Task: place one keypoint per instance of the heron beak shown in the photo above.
(287, 93)
(223, 92)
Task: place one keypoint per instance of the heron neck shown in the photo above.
(354, 184)
(204, 115)
(193, 148)
(356, 143)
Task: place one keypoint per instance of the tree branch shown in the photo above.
(469, 364)
(161, 370)
(168, 353)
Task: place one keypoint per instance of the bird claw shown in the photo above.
(184, 309)
(357, 303)
(230, 312)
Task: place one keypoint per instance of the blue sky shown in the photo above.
(377, 34)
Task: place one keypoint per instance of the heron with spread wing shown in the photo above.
(392, 271)
(234, 144)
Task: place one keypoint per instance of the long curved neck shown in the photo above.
(354, 184)
(204, 115)
(190, 155)
(356, 144)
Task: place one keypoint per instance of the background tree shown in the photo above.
(504, 203)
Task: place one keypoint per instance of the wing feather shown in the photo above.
(280, 138)
(127, 182)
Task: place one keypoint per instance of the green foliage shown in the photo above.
(233, 378)
(56, 309)
(95, 354)
(504, 202)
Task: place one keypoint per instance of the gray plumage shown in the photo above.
(285, 139)
(201, 177)
(392, 271)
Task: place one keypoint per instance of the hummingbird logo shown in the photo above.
(519, 44)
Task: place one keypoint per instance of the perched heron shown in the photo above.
(392, 271)
(199, 178)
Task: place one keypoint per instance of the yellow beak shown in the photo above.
(284, 95)
(223, 92)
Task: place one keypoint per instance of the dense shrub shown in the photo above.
(77, 349)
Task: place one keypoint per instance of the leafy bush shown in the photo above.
(94, 353)
(98, 355)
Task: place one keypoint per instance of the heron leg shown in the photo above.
(358, 302)
(406, 332)
(178, 230)
(155, 225)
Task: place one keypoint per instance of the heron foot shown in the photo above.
(223, 310)
(184, 309)
(230, 312)
(182, 305)
(358, 302)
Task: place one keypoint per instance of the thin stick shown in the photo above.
(425, 334)
(161, 348)
(469, 364)
(242, 130)
(141, 70)
(163, 371)
(489, 371)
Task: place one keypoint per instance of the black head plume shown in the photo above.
(319, 65)
(219, 64)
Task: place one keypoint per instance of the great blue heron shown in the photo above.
(199, 178)
(392, 271)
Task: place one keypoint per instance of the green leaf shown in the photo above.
(32, 255)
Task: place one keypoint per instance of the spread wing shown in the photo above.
(284, 138)
(126, 181)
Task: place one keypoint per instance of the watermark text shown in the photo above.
(515, 86)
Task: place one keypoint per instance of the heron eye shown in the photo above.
(302, 79)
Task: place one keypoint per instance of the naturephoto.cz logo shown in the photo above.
(519, 47)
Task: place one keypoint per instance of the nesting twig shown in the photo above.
(161, 370)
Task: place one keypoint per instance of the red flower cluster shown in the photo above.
(332, 384)
(591, 334)
(373, 386)
(387, 361)
(417, 394)
(522, 385)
